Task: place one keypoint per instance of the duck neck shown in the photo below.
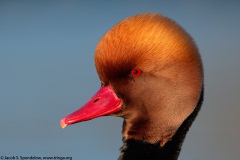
(136, 149)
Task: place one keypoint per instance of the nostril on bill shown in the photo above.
(95, 100)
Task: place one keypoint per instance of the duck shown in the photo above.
(151, 75)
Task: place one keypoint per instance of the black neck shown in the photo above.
(138, 150)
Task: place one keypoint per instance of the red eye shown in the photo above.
(136, 72)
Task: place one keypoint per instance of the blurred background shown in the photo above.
(47, 71)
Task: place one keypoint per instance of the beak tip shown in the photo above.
(62, 123)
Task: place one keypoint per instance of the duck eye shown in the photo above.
(136, 72)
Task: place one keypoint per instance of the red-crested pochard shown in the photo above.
(151, 75)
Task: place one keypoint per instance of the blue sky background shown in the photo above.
(47, 71)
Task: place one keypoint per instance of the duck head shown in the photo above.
(151, 75)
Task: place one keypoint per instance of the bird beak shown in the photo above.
(104, 102)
